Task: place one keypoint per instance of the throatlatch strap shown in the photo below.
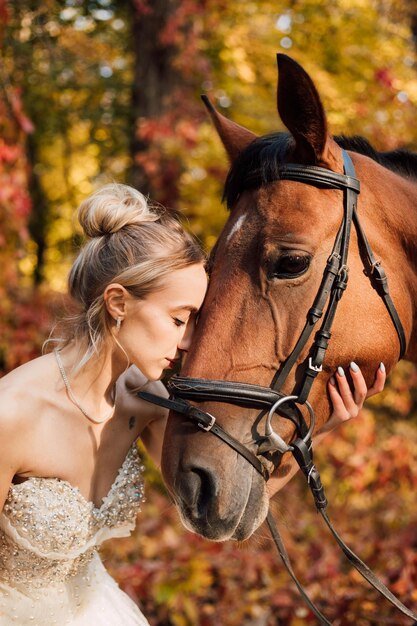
(379, 279)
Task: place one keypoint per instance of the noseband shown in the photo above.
(271, 399)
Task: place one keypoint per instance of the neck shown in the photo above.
(94, 384)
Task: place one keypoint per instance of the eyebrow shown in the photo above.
(186, 307)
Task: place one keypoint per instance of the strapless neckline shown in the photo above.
(50, 571)
(76, 490)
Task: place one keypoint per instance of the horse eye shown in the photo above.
(289, 266)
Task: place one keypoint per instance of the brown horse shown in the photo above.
(265, 272)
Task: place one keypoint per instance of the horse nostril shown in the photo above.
(199, 489)
(208, 490)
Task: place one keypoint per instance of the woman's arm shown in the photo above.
(150, 419)
(14, 441)
(153, 435)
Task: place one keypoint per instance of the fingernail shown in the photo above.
(354, 367)
(340, 371)
(382, 367)
(332, 381)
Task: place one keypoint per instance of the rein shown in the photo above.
(272, 399)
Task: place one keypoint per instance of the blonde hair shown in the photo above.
(131, 242)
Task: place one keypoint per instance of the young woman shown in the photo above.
(70, 473)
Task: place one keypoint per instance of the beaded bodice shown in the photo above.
(48, 530)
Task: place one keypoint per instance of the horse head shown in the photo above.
(265, 271)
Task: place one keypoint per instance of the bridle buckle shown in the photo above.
(374, 266)
(209, 426)
(314, 368)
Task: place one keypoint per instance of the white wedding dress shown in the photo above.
(50, 571)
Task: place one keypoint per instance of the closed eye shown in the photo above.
(288, 266)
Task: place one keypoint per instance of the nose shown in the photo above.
(185, 341)
(198, 491)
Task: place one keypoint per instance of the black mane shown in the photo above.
(260, 162)
(401, 161)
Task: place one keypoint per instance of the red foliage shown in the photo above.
(24, 317)
(383, 76)
(173, 132)
(143, 7)
(4, 16)
(17, 107)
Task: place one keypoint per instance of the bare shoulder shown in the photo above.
(128, 386)
(15, 427)
(34, 369)
(22, 398)
(11, 412)
(22, 395)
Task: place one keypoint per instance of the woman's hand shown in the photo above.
(347, 402)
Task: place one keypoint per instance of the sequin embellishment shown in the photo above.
(48, 530)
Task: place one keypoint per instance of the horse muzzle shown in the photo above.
(218, 498)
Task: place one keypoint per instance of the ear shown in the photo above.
(235, 138)
(302, 112)
(115, 300)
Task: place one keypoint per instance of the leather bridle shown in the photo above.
(272, 399)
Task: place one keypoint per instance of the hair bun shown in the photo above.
(112, 207)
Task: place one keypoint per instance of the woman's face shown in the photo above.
(156, 329)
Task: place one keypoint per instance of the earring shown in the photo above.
(118, 324)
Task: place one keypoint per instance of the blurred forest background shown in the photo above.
(108, 90)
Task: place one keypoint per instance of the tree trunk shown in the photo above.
(39, 215)
(154, 81)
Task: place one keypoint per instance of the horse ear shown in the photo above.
(235, 138)
(302, 112)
